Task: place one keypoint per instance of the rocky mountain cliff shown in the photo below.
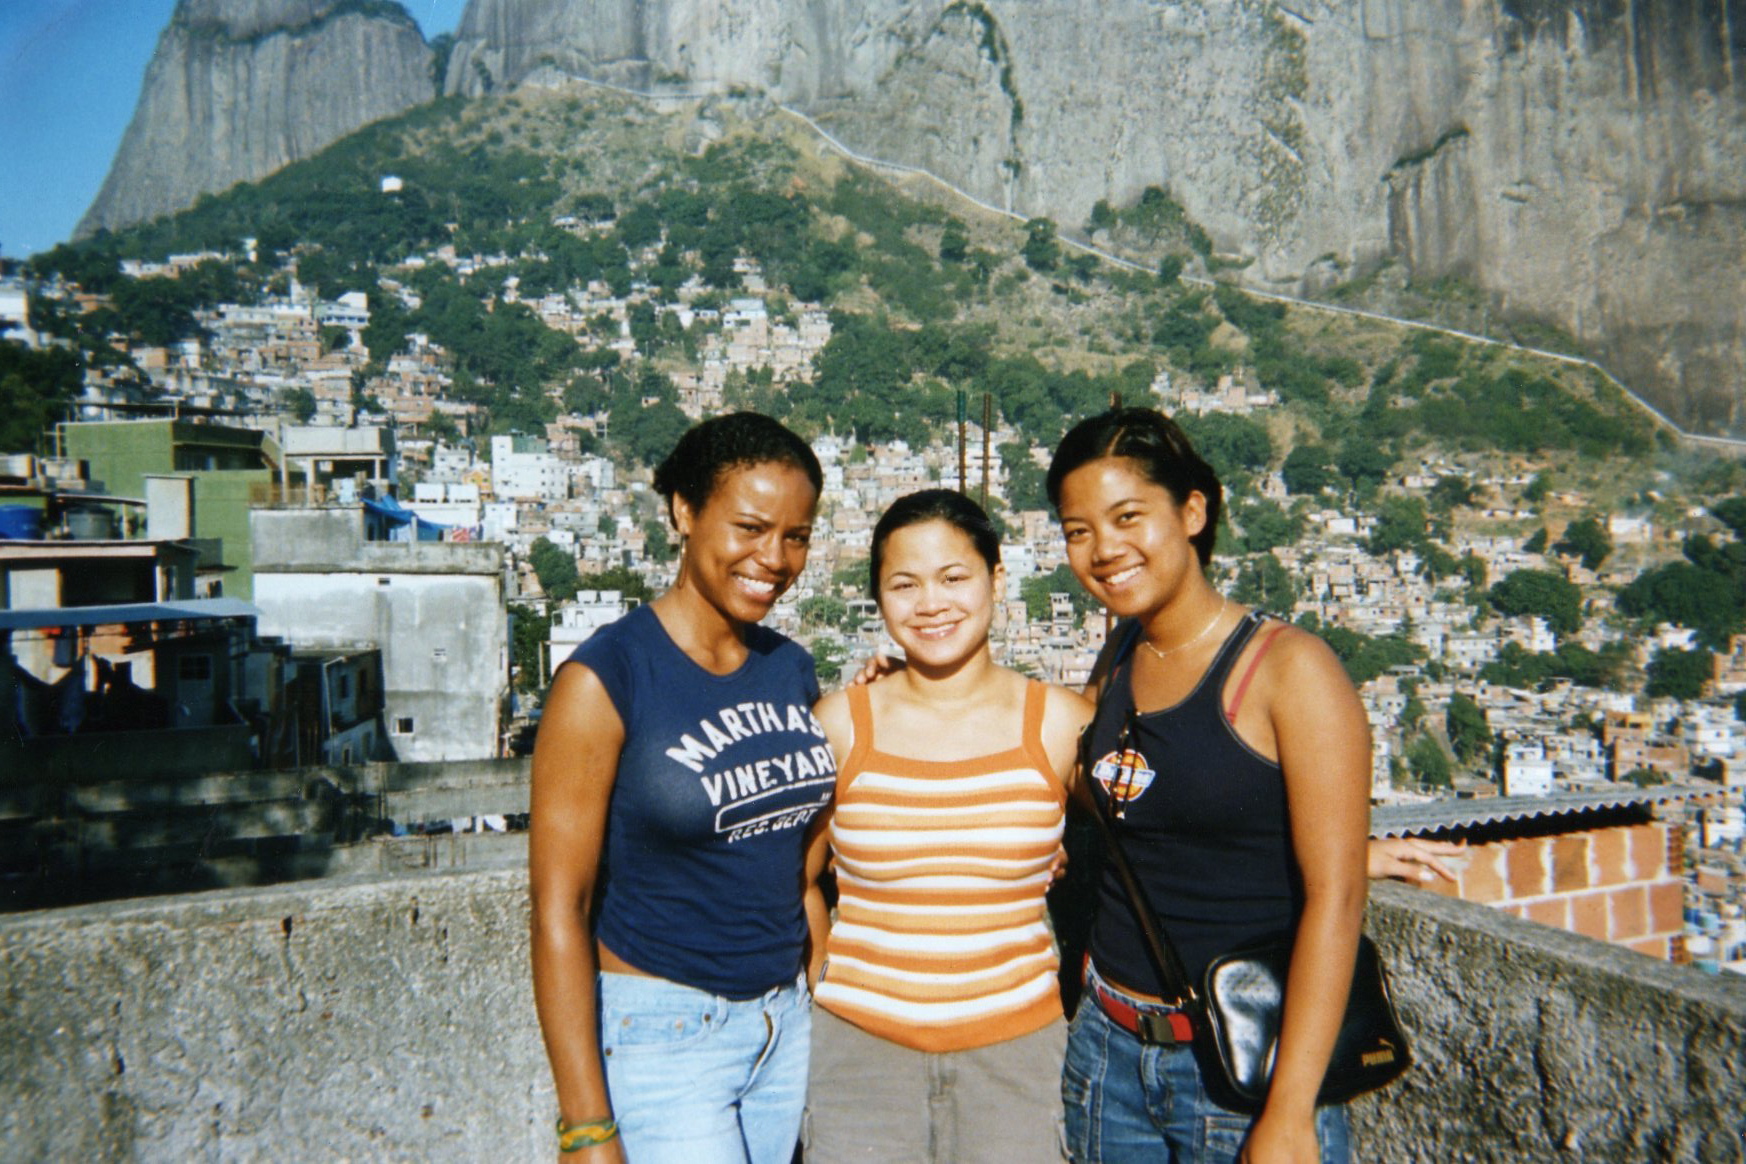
(1581, 161)
(239, 88)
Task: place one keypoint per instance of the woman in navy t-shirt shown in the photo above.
(677, 770)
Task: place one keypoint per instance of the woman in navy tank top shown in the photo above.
(1244, 809)
(677, 771)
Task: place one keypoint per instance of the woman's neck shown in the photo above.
(714, 641)
(1188, 616)
(961, 685)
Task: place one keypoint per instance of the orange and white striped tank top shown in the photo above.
(941, 942)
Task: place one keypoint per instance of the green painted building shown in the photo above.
(230, 467)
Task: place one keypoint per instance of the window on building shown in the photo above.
(194, 668)
(403, 725)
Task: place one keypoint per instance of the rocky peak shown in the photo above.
(239, 88)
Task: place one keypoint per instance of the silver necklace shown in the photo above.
(1204, 631)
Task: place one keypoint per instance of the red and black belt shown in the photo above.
(1152, 1023)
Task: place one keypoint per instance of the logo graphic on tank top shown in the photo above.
(1125, 776)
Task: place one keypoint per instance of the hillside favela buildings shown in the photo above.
(315, 559)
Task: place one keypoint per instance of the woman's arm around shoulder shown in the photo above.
(1323, 741)
(833, 715)
(1065, 714)
(575, 762)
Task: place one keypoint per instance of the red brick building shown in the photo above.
(1601, 864)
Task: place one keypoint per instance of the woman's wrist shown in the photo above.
(584, 1134)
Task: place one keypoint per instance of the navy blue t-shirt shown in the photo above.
(706, 835)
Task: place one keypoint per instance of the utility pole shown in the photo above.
(987, 423)
(963, 408)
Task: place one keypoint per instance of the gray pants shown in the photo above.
(871, 1101)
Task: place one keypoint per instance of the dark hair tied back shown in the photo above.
(944, 505)
(1159, 449)
(707, 450)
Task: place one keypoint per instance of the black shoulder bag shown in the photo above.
(1242, 994)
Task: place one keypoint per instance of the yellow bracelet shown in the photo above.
(575, 1137)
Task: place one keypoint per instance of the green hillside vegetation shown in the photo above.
(928, 298)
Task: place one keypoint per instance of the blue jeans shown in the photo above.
(1127, 1101)
(699, 1079)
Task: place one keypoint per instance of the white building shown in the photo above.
(1527, 770)
(576, 621)
(523, 470)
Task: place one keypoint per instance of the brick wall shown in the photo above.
(1619, 884)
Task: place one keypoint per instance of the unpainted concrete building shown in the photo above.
(436, 610)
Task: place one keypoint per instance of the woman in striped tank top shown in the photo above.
(941, 1037)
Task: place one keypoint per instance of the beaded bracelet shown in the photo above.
(575, 1137)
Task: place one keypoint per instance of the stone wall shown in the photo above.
(393, 1020)
(1535, 1044)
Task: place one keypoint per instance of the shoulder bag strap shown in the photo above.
(1166, 961)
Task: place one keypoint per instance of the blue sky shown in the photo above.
(70, 72)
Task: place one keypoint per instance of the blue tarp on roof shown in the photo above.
(387, 520)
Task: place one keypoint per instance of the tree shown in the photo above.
(1472, 567)
(1452, 492)
(954, 242)
(648, 434)
(1231, 444)
(555, 569)
(1400, 525)
(1732, 513)
(1536, 543)
(1308, 469)
(1679, 674)
(1587, 539)
(821, 610)
(828, 656)
(1426, 761)
(1265, 584)
(1170, 269)
(1709, 598)
(34, 387)
(1266, 525)
(1469, 735)
(657, 546)
(1041, 250)
(1365, 657)
(529, 631)
(1537, 490)
(1540, 593)
(1364, 462)
(299, 402)
(1024, 478)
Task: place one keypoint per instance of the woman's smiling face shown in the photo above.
(748, 543)
(936, 593)
(1127, 537)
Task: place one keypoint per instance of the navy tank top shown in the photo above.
(706, 834)
(1202, 818)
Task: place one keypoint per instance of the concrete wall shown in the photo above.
(392, 1019)
(1537, 1044)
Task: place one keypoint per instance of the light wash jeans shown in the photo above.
(1128, 1101)
(700, 1079)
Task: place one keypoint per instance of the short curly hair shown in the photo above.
(709, 449)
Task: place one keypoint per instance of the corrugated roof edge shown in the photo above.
(1405, 820)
